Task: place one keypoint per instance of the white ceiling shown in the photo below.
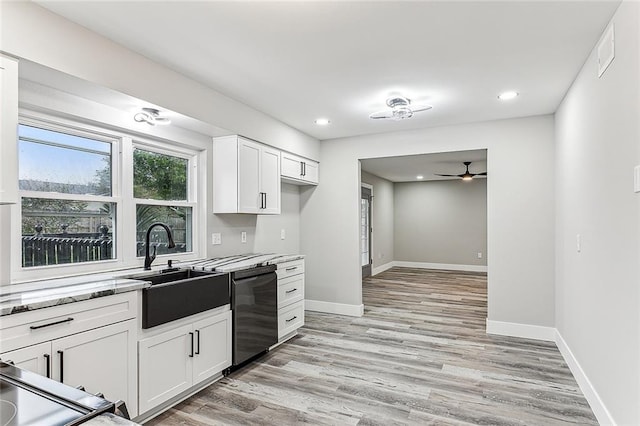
(298, 61)
(406, 168)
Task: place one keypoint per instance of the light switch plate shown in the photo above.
(243, 236)
(636, 179)
(282, 234)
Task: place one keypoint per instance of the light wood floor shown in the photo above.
(419, 356)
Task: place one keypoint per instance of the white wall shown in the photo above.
(597, 294)
(31, 32)
(381, 220)
(520, 211)
(441, 222)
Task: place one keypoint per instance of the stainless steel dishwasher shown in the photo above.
(254, 304)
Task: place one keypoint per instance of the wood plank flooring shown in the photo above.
(418, 356)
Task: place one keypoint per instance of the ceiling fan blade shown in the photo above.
(482, 174)
(447, 175)
(418, 108)
(381, 114)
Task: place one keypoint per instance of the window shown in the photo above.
(88, 196)
(161, 193)
(68, 208)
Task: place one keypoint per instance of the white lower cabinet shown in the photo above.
(101, 359)
(36, 358)
(290, 298)
(180, 357)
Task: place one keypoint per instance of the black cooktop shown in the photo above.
(30, 399)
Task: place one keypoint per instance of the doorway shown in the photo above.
(366, 260)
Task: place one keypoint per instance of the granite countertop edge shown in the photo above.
(57, 293)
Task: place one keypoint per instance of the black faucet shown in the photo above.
(148, 259)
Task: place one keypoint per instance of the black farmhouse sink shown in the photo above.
(178, 294)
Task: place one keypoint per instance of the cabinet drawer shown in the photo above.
(30, 328)
(290, 318)
(289, 269)
(290, 290)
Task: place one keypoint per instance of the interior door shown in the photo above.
(365, 232)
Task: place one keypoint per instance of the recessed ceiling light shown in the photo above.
(507, 95)
(419, 177)
(322, 121)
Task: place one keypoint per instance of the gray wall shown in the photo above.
(441, 222)
(263, 232)
(597, 294)
(381, 220)
(520, 212)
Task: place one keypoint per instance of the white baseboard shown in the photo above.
(382, 268)
(598, 407)
(526, 331)
(334, 308)
(447, 266)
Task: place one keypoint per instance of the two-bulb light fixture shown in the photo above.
(151, 116)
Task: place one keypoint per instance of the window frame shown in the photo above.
(191, 155)
(123, 142)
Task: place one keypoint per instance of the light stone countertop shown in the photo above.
(43, 294)
(25, 297)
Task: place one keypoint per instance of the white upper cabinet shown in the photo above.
(246, 176)
(8, 130)
(299, 170)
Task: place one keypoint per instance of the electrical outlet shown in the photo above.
(216, 238)
(243, 237)
(479, 255)
(282, 234)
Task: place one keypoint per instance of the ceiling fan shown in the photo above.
(400, 109)
(466, 175)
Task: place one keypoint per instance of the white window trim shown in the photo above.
(122, 196)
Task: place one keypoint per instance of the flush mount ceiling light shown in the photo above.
(322, 121)
(151, 116)
(507, 95)
(400, 109)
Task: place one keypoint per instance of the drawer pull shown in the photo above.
(293, 268)
(291, 319)
(291, 291)
(35, 327)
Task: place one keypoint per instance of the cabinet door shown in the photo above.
(310, 171)
(8, 130)
(270, 180)
(102, 360)
(291, 166)
(165, 366)
(249, 197)
(213, 346)
(36, 358)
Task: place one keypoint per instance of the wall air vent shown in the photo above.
(606, 50)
